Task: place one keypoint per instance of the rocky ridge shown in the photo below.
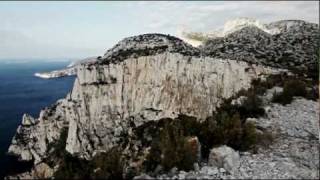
(146, 45)
(233, 25)
(294, 48)
(141, 79)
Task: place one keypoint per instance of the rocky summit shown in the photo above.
(154, 106)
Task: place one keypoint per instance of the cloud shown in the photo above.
(203, 16)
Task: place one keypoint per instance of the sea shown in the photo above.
(21, 92)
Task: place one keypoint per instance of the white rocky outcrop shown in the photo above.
(239, 23)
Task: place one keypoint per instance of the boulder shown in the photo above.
(143, 176)
(224, 157)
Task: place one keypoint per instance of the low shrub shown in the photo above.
(227, 129)
(291, 88)
(103, 166)
(295, 88)
(72, 168)
(171, 148)
(249, 137)
(56, 149)
(251, 107)
(282, 98)
(107, 165)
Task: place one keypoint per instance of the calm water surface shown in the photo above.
(21, 92)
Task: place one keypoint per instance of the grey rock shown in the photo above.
(173, 171)
(222, 170)
(27, 120)
(196, 167)
(212, 171)
(143, 176)
(224, 157)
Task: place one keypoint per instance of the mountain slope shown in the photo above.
(295, 48)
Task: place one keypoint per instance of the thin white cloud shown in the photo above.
(210, 15)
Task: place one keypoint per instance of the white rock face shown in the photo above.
(224, 157)
(239, 23)
(31, 141)
(157, 86)
(106, 98)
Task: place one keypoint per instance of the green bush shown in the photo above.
(103, 166)
(227, 129)
(107, 165)
(72, 168)
(56, 149)
(282, 98)
(249, 137)
(171, 148)
(291, 88)
(295, 88)
(252, 106)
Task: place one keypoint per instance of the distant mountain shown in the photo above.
(70, 70)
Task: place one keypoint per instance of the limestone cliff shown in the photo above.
(110, 98)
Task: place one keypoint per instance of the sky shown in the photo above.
(71, 30)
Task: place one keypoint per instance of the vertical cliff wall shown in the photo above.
(107, 100)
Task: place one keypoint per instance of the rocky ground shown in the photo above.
(293, 154)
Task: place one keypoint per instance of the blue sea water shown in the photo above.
(21, 92)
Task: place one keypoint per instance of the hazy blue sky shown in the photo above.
(82, 29)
